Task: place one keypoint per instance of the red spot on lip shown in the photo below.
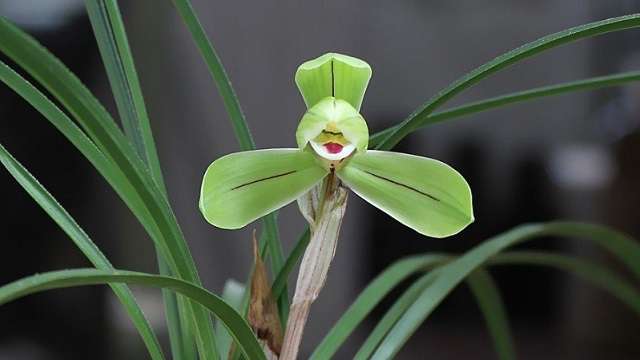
(333, 148)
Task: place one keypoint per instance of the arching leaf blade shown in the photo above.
(487, 296)
(391, 316)
(238, 121)
(597, 275)
(457, 270)
(369, 298)
(570, 35)
(85, 244)
(516, 97)
(111, 37)
(126, 175)
(217, 71)
(234, 323)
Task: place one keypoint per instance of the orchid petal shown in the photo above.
(338, 113)
(241, 187)
(421, 193)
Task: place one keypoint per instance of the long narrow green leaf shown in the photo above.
(234, 323)
(547, 42)
(118, 60)
(594, 274)
(369, 298)
(516, 97)
(114, 158)
(240, 127)
(113, 59)
(128, 178)
(451, 274)
(84, 243)
(624, 248)
(391, 316)
(214, 64)
(488, 297)
(114, 48)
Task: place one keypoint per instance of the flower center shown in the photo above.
(333, 148)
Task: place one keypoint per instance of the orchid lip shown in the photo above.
(332, 151)
(333, 148)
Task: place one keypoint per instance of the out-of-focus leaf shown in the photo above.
(451, 274)
(517, 97)
(111, 37)
(235, 324)
(240, 127)
(369, 298)
(85, 244)
(573, 34)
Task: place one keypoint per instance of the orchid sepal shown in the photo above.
(333, 75)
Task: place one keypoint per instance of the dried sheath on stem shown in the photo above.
(324, 208)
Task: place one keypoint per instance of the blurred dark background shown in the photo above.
(570, 157)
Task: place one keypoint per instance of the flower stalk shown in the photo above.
(323, 207)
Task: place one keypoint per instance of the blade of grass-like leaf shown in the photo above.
(487, 295)
(451, 274)
(211, 58)
(391, 316)
(127, 177)
(113, 56)
(369, 298)
(590, 272)
(84, 243)
(240, 127)
(624, 248)
(516, 97)
(234, 323)
(595, 274)
(114, 48)
(547, 42)
(114, 158)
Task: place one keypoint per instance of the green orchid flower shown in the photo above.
(422, 193)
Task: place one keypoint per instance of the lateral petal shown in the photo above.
(241, 187)
(424, 194)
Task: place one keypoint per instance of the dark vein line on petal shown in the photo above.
(263, 179)
(333, 81)
(403, 185)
